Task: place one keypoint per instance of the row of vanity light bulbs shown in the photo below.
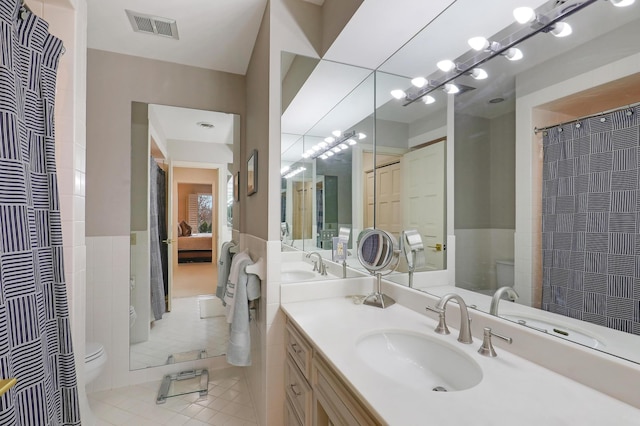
(330, 146)
(523, 15)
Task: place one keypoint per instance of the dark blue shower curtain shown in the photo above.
(35, 337)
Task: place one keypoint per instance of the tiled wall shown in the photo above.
(108, 305)
(266, 375)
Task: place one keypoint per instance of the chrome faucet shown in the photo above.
(511, 293)
(318, 265)
(465, 322)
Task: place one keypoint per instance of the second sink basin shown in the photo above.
(298, 275)
(293, 272)
(418, 361)
(559, 330)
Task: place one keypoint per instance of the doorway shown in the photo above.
(195, 203)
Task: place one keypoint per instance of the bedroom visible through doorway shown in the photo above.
(195, 255)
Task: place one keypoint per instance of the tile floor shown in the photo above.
(186, 328)
(228, 403)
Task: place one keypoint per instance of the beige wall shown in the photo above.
(253, 209)
(113, 82)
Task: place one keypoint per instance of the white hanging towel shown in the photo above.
(233, 280)
(224, 268)
(247, 289)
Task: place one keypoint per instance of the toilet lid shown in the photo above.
(93, 351)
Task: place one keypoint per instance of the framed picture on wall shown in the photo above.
(252, 173)
(236, 187)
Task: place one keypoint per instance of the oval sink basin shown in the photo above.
(416, 361)
(293, 276)
(557, 330)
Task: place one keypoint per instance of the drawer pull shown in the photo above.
(296, 348)
(294, 388)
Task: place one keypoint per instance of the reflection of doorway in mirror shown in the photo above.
(424, 199)
(388, 193)
(302, 211)
(195, 254)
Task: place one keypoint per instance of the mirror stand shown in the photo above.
(378, 299)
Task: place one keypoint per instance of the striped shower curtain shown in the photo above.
(35, 337)
(591, 219)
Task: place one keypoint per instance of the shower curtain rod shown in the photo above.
(576, 120)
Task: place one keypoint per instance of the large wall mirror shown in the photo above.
(535, 152)
(543, 137)
(323, 150)
(181, 198)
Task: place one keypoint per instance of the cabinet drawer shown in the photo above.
(290, 416)
(299, 350)
(333, 402)
(298, 391)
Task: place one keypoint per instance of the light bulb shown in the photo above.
(343, 146)
(478, 74)
(446, 65)
(398, 94)
(478, 43)
(428, 99)
(351, 141)
(329, 139)
(305, 155)
(524, 15)
(336, 133)
(361, 136)
(451, 89)
(561, 29)
(324, 157)
(513, 54)
(419, 82)
(622, 3)
(336, 149)
(329, 153)
(315, 148)
(323, 144)
(284, 169)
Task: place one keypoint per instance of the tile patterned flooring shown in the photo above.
(183, 330)
(227, 404)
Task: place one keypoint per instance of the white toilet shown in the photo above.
(94, 360)
(504, 273)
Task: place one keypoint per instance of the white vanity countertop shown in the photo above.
(513, 391)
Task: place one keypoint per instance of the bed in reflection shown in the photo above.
(195, 248)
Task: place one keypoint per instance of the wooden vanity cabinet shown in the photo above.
(297, 372)
(315, 394)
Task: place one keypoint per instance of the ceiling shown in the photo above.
(217, 35)
(181, 124)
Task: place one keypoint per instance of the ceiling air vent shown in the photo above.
(155, 25)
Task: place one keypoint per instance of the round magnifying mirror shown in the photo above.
(377, 251)
(378, 254)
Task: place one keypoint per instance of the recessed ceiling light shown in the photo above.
(496, 100)
(205, 125)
